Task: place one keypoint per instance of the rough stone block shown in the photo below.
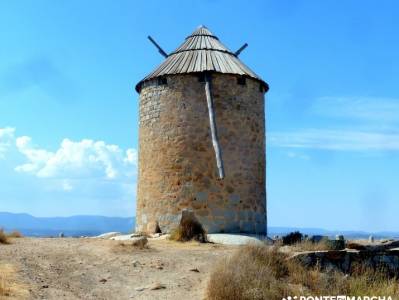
(218, 212)
(260, 228)
(260, 217)
(144, 218)
(201, 196)
(232, 227)
(247, 227)
(229, 215)
(234, 199)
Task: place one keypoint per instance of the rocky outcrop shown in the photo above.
(383, 257)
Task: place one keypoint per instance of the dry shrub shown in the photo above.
(131, 246)
(3, 237)
(292, 238)
(254, 272)
(312, 246)
(9, 286)
(188, 230)
(15, 234)
(261, 272)
(364, 279)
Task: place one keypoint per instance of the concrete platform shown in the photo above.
(237, 239)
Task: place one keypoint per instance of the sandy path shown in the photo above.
(92, 269)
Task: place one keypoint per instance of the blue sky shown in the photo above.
(69, 112)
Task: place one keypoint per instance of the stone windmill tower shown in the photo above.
(202, 140)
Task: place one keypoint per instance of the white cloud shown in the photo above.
(6, 139)
(340, 140)
(302, 156)
(85, 159)
(67, 186)
(37, 157)
(365, 124)
(372, 109)
(86, 175)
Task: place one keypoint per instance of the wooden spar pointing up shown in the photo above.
(212, 123)
(160, 50)
(241, 49)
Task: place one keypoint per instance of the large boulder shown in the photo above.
(346, 260)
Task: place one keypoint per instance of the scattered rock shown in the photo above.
(155, 235)
(340, 237)
(194, 270)
(137, 234)
(128, 237)
(103, 280)
(140, 289)
(157, 286)
(140, 242)
(336, 244)
(157, 265)
(136, 263)
(161, 236)
(45, 286)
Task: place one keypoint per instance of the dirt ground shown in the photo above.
(78, 268)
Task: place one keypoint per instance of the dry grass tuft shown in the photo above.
(9, 286)
(131, 246)
(188, 230)
(312, 246)
(3, 237)
(15, 234)
(261, 272)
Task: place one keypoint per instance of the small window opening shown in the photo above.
(241, 80)
(162, 81)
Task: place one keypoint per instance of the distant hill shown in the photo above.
(95, 225)
(70, 226)
(272, 231)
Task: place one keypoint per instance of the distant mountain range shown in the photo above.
(70, 226)
(352, 234)
(95, 225)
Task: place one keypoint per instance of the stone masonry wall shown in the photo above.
(177, 167)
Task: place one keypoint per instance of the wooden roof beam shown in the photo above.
(241, 49)
(212, 123)
(160, 50)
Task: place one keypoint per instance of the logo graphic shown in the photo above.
(338, 297)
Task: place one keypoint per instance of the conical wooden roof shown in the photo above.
(202, 52)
